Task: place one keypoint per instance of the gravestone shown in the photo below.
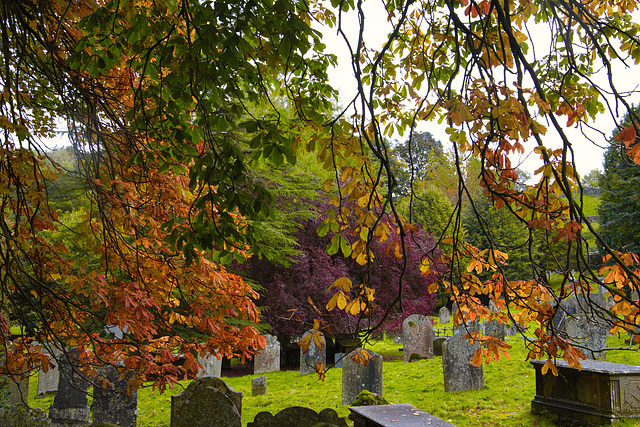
(69, 408)
(337, 360)
(268, 360)
(298, 416)
(437, 345)
(454, 310)
(445, 316)
(19, 391)
(314, 354)
(575, 321)
(112, 404)
(259, 386)
(207, 402)
(459, 373)
(357, 377)
(417, 337)
(48, 381)
(495, 329)
(211, 366)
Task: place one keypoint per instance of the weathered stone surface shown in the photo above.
(258, 386)
(113, 404)
(69, 406)
(314, 354)
(357, 377)
(459, 374)
(268, 360)
(495, 329)
(576, 322)
(297, 416)
(445, 316)
(337, 359)
(207, 402)
(599, 393)
(211, 366)
(48, 381)
(417, 337)
(399, 415)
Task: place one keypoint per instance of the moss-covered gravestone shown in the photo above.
(417, 337)
(362, 375)
(459, 373)
(207, 402)
(112, 404)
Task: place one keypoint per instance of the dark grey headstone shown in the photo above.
(113, 404)
(207, 402)
(70, 403)
(268, 360)
(495, 329)
(437, 345)
(297, 416)
(417, 337)
(357, 377)
(337, 359)
(445, 316)
(459, 373)
(577, 321)
(258, 386)
(314, 354)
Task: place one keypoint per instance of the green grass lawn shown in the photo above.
(505, 400)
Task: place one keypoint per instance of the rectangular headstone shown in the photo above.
(48, 381)
(211, 366)
(268, 360)
(113, 404)
(258, 386)
(445, 316)
(576, 322)
(70, 403)
(357, 377)
(459, 374)
(417, 337)
(315, 354)
(337, 360)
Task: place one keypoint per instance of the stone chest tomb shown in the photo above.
(600, 393)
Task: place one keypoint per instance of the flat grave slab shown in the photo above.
(600, 393)
(399, 415)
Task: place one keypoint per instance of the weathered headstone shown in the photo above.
(298, 416)
(207, 402)
(495, 329)
(437, 345)
(48, 381)
(338, 358)
(19, 391)
(258, 386)
(112, 403)
(445, 316)
(454, 310)
(459, 373)
(211, 366)
(358, 376)
(417, 337)
(576, 322)
(314, 354)
(268, 360)
(69, 408)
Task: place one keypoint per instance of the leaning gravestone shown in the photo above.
(445, 316)
(314, 354)
(459, 373)
(207, 402)
(417, 337)
(211, 366)
(576, 322)
(48, 381)
(113, 404)
(69, 407)
(268, 360)
(358, 376)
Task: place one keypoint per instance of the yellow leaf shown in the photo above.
(343, 282)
